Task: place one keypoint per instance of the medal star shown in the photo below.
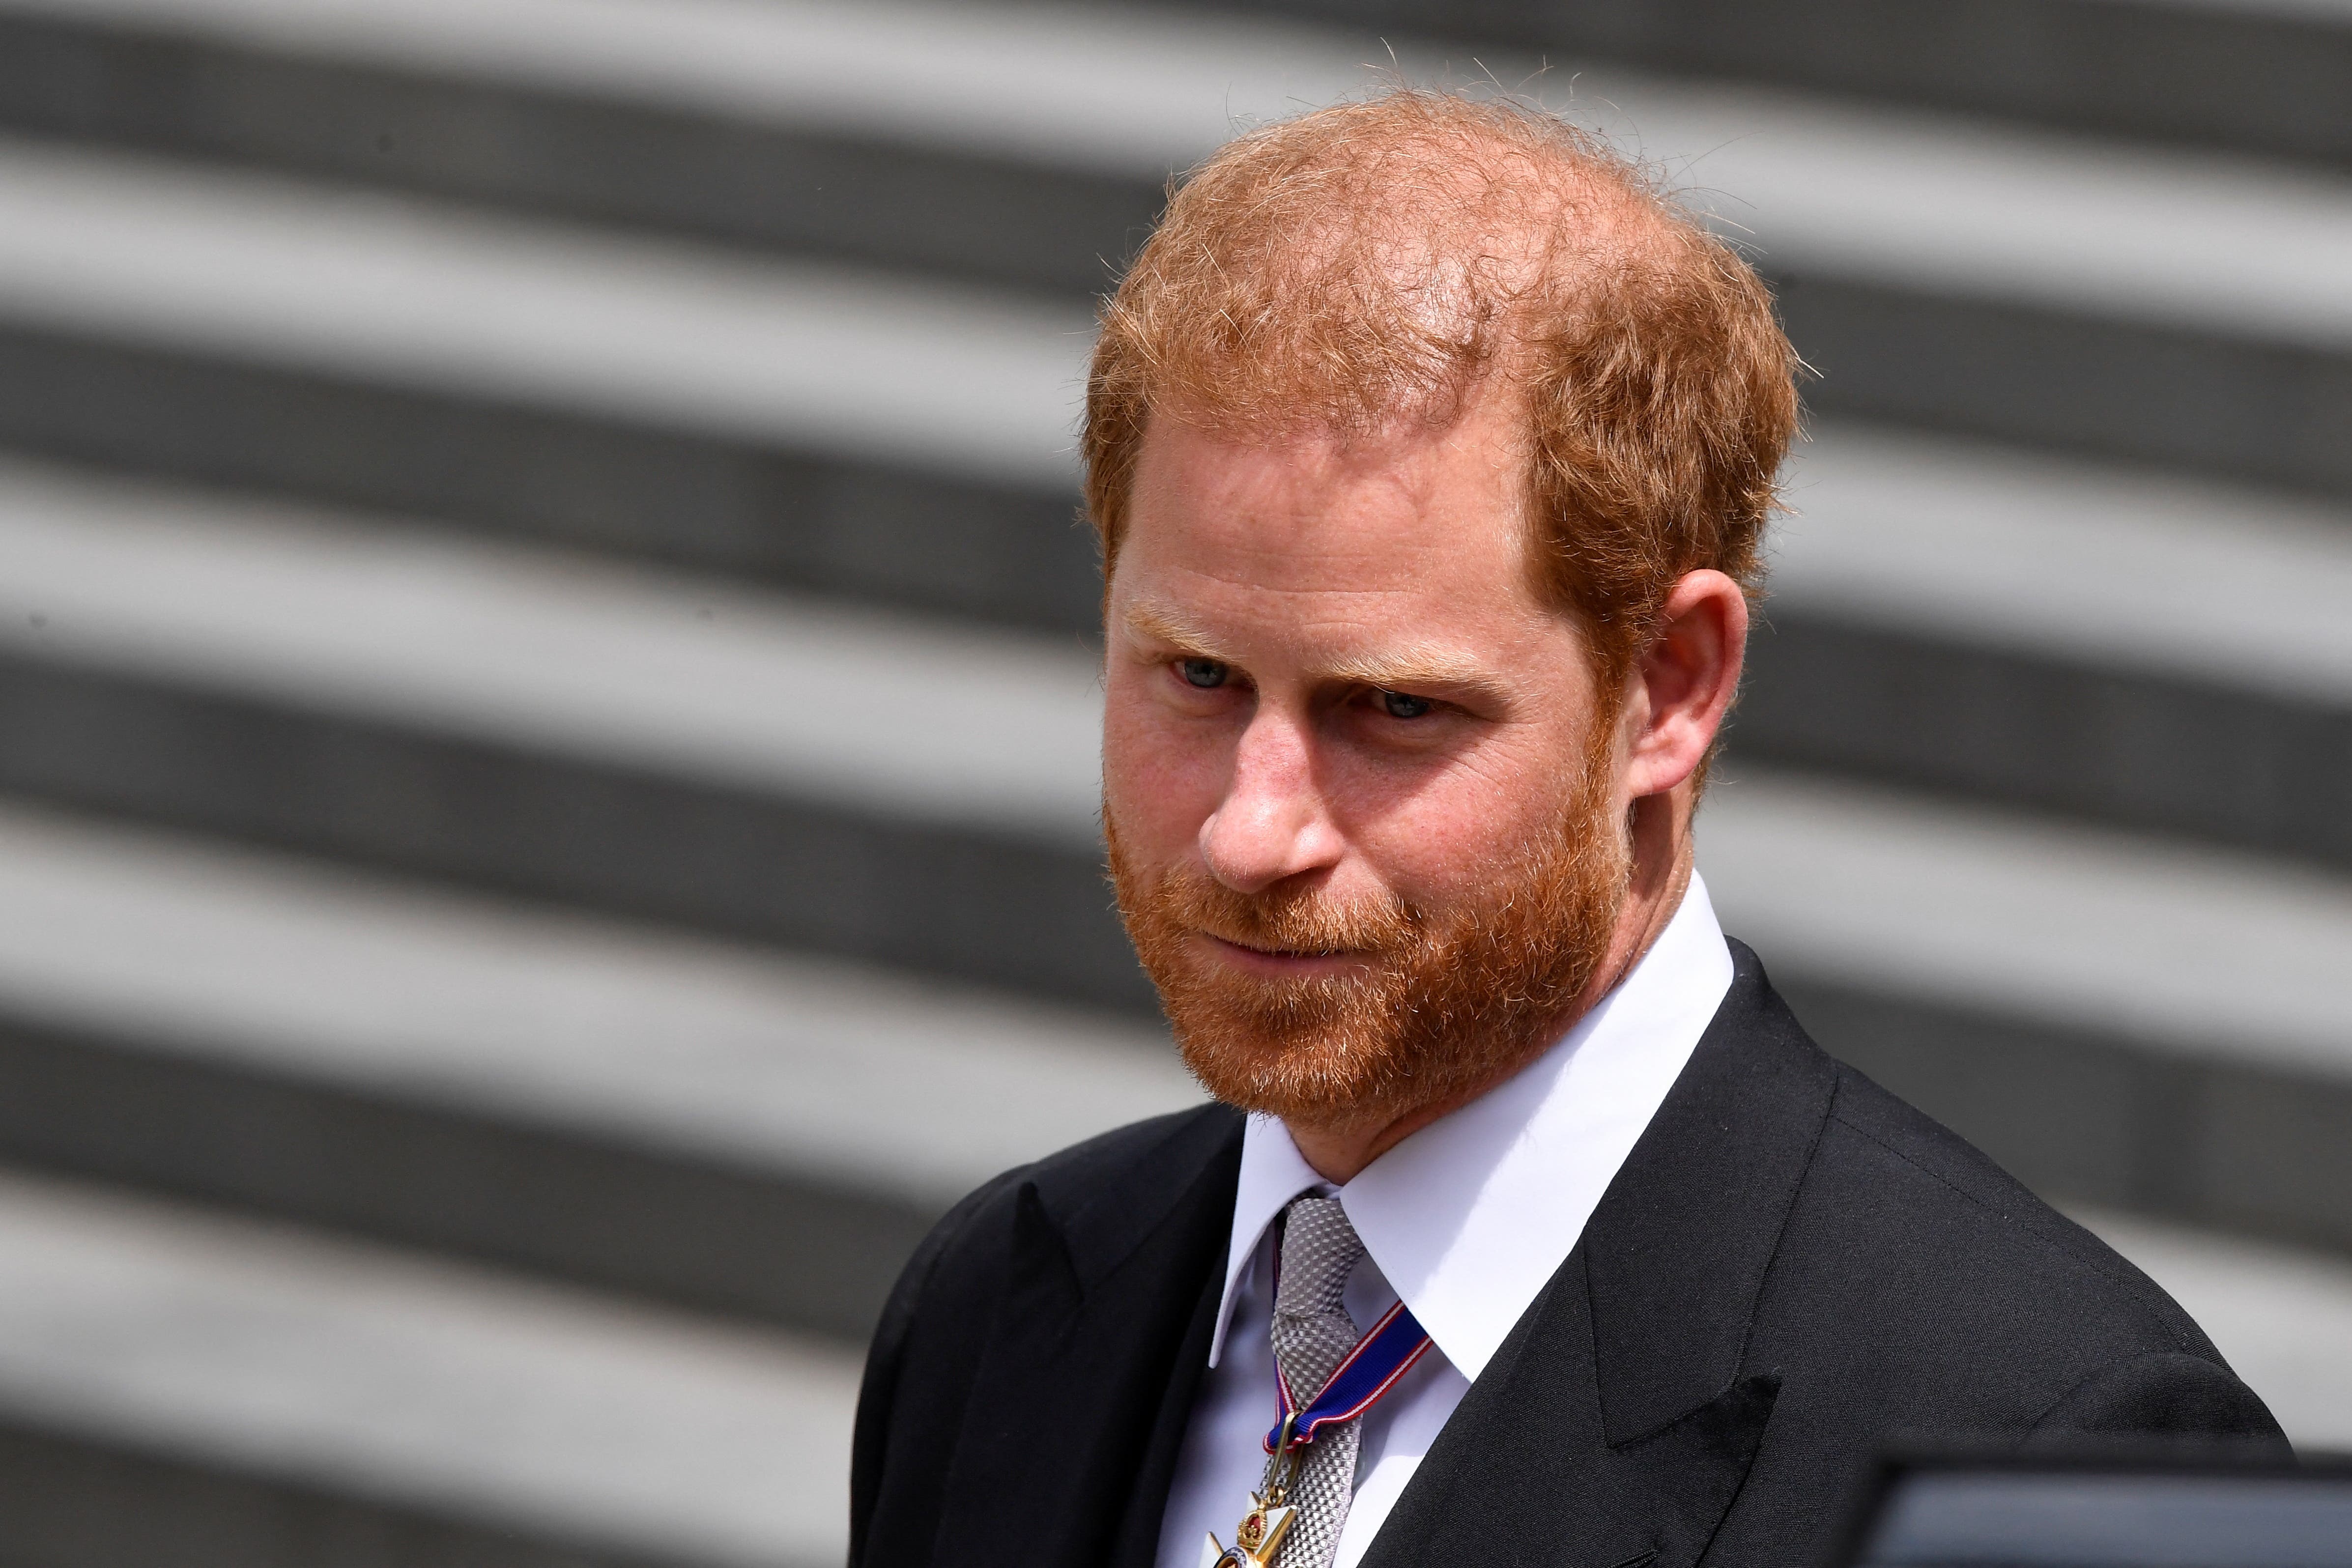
(1256, 1539)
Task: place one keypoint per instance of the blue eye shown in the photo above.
(1206, 674)
(1400, 705)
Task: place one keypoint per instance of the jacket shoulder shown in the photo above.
(1138, 1151)
(1921, 1293)
(1944, 1296)
(1131, 1166)
(934, 1328)
(1954, 1187)
(1139, 1168)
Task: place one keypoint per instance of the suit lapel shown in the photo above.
(1077, 1405)
(1139, 1533)
(1617, 1423)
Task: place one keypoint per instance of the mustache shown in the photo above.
(1297, 920)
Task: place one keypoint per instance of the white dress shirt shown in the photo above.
(1467, 1219)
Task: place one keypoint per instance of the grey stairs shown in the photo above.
(545, 656)
(186, 1387)
(2178, 308)
(2270, 76)
(629, 1107)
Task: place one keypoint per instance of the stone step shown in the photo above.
(2117, 1019)
(2269, 77)
(178, 1385)
(806, 425)
(881, 789)
(2182, 308)
(2112, 644)
(871, 786)
(736, 1129)
(405, 89)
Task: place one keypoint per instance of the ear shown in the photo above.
(1684, 685)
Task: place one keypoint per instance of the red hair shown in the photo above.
(1380, 264)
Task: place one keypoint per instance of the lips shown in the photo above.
(1280, 952)
(1294, 955)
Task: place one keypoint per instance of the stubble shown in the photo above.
(1444, 1001)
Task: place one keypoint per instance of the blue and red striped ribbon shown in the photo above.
(1373, 1367)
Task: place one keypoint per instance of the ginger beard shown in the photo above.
(1448, 1000)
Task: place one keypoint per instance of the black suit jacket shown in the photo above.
(1792, 1267)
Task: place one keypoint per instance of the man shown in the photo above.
(1431, 453)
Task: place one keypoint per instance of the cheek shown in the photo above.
(1435, 840)
(1163, 777)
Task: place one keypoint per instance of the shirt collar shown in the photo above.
(1470, 1217)
(1273, 1173)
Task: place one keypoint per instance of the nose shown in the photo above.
(1273, 822)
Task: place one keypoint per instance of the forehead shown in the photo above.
(1428, 525)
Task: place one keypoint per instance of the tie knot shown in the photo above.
(1319, 1250)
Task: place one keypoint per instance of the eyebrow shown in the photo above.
(1415, 666)
(1412, 668)
(1166, 623)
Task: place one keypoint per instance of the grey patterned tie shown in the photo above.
(1312, 1335)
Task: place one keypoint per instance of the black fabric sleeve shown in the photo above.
(2161, 1393)
(878, 1391)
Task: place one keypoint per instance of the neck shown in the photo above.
(1339, 1150)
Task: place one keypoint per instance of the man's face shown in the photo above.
(1359, 778)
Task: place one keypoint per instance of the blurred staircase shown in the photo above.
(546, 811)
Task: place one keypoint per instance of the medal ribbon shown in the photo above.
(1371, 1369)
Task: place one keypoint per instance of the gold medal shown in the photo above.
(1255, 1540)
(1259, 1535)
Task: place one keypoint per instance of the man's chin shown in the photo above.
(1275, 1088)
(1280, 1019)
(1295, 1061)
